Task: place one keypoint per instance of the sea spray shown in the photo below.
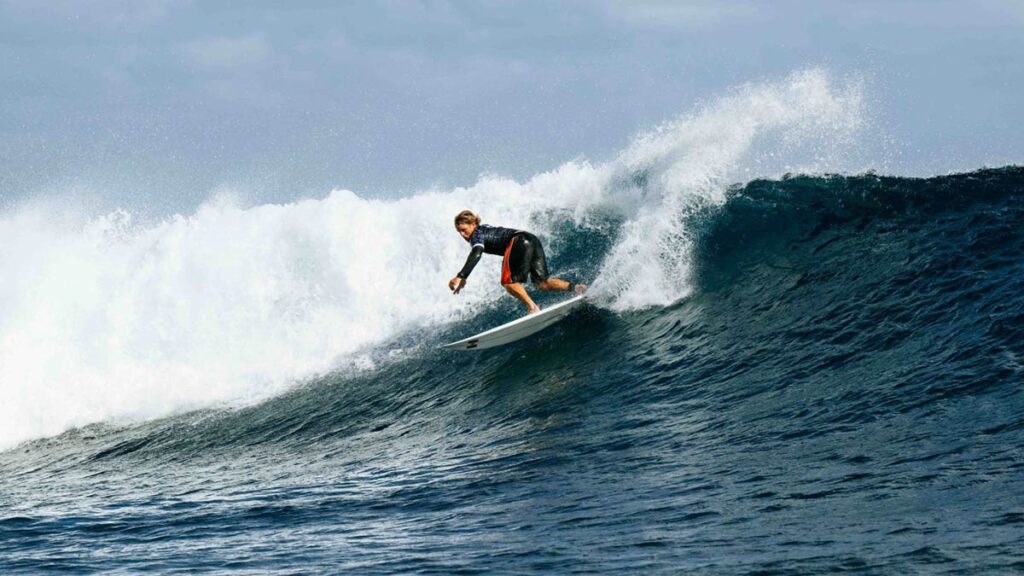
(687, 164)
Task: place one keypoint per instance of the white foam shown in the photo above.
(107, 319)
(804, 123)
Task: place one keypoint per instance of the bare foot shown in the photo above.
(533, 309)
(580, 288)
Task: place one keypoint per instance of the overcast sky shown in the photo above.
(159, 103)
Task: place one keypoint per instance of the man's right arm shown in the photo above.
(471, 260)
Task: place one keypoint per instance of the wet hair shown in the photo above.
(467, 217)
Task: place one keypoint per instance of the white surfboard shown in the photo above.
(518, 328)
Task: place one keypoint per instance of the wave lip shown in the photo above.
(688, 164)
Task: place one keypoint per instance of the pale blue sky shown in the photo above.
(155, 104)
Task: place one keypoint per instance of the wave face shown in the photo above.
(798, 374)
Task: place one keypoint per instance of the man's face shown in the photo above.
(465, 230)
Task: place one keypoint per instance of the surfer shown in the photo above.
(523, 257)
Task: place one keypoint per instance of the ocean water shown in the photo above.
(790, 365)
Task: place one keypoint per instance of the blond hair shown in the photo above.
(467, 217)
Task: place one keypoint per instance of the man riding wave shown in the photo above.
(523, 256)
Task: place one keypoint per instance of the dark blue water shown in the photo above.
(842, 392)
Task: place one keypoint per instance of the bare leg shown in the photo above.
(559, 285)
(553, 285)
(519, 292)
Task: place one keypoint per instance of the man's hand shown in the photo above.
(456, 284)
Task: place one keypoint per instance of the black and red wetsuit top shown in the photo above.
(489, 239)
